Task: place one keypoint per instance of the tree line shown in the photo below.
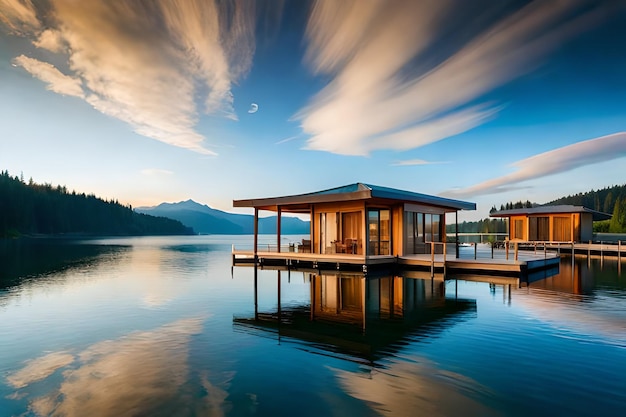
(611, 200)
(29, 208)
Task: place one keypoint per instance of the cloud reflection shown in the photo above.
(143, 373)
(405, 387)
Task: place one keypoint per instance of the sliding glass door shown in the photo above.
(379, 231)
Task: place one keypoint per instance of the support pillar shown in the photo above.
(456, 232)
(256, 236)
(256, 292)
(279, 301)
(278, 221)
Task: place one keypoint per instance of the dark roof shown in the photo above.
(351, 192)
(562, 209)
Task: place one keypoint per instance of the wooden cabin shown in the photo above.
(363, 219)
(564, 223)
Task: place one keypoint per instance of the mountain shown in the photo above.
(207, 220)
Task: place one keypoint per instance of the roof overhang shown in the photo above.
(547, 210)
(302, 203)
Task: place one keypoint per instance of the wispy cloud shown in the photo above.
(567, 158)
(383, 94)
(156, 172)
(414, 162)
(55, 80)
(289, 139)
(154, 65)
(19, 16)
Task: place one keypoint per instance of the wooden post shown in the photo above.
(432, 259)
(279, 309)
(589, 250)
(445, 249)
(278, 221)
(601, 253)
(363, 309)
(506, 249)
(492, 243)
(456, 225)
(256, 292)
(312, 279)
(475, 249)
(619, 251)
(516, 249)
(256, 236)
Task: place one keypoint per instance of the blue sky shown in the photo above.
(485, 101)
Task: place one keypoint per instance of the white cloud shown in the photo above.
(382, 94)
(148, 64)
(156, 172)
(56, 81)
(49, 39)
(567, 158)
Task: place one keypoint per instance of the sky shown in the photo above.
(165, 101)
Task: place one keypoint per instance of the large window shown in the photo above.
(562, 229)
(420, 229)
(539, 228)
(379, 230)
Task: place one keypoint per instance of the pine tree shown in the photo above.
(618, 221)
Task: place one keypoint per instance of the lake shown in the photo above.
(162, 326)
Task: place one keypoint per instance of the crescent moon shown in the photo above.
(253, 108)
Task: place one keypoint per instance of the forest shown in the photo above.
(611, 200)
(28, 208)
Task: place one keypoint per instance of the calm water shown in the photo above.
(160, 327)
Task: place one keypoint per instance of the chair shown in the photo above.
(349, 246)
(305, 246)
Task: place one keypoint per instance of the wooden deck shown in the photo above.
(499, 264)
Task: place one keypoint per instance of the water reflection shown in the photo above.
(363, 318)
(143, 373)
(22, 259)
(408, 388)
(585, 300)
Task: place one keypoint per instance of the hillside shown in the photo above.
(611, 200)
(601, 200)
(207, 220)
(31, 209)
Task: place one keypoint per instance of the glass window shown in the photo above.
(436, 227)
(379, 229)
(428, 227)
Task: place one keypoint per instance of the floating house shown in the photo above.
(364, 220)
(564, 223)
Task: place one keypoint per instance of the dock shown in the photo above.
(471, 260)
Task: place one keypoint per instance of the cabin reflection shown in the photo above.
(574, 277)
(363, 316)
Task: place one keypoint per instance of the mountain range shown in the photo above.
(206, 220)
